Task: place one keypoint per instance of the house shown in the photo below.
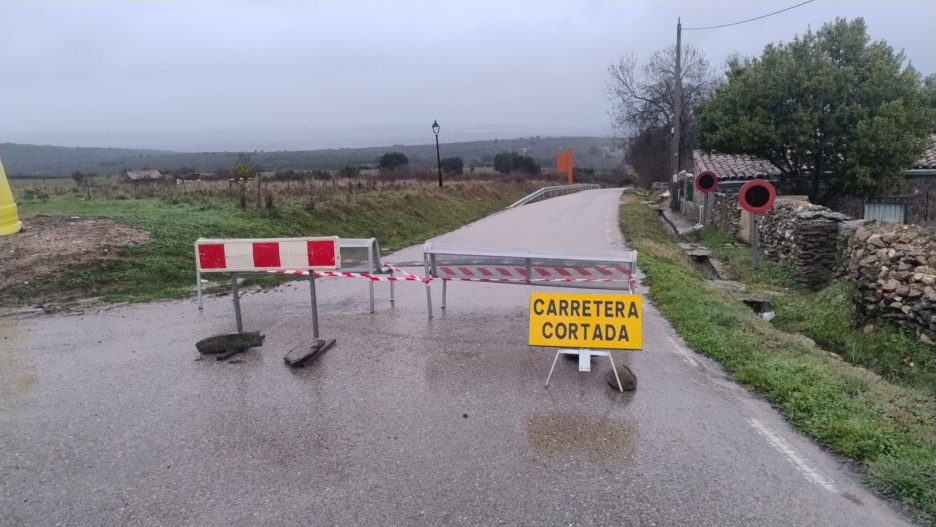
(912, 201)
(137, 177)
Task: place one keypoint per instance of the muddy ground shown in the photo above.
(50, 244)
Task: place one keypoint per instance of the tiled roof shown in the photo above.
(733, 167)
(929, 157)
(730, 167)
(137, 175)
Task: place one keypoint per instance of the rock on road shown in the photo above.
(108, 418)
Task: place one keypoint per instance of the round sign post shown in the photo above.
(706, 183)
(756, 196)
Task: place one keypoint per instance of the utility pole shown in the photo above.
(677, 117)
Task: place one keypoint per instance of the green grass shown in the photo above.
(830, 318)
(889, 428)
(165, 267)
(737, 261)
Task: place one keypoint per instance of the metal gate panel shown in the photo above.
(885, 210)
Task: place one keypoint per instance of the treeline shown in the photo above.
(22, 160)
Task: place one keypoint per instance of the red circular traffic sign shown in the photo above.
(757, 196)
(706, 182)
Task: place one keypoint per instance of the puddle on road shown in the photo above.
(564, 435)
(17, 374)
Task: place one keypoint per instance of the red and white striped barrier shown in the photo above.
(630, 281)
(262, 255)
(498, 273)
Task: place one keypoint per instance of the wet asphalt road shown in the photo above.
(108, 418)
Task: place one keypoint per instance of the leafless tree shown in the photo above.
(642, 151)
(642, 103)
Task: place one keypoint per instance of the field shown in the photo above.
(398, 212)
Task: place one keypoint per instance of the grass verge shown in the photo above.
(830, 318)
(889, 429)
(165, 268)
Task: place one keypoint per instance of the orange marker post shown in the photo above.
(564, 163)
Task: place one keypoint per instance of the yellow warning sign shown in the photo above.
(573, 320)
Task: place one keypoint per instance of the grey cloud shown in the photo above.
(189, 75)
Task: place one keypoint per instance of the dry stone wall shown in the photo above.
(893, 268)
(726, 213)
(805, 236)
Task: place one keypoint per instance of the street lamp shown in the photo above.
(435, 130)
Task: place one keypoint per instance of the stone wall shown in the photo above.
(803, 235)
(691, 208)
(726, 212)
(893, 268)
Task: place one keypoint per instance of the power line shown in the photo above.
(748, 20)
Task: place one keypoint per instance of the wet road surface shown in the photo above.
(109, 418)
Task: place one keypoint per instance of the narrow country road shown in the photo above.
(108, 418)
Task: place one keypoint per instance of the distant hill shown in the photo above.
(21, 160)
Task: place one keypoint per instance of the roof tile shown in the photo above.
(730, 167)
(733, 167)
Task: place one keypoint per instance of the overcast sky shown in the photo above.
(199, 75)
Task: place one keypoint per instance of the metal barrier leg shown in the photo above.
(444, 283)
(372, 297)
(429, 300)
(392, 283)
(198, 286)
(428, 288)
(553, 366)
(236, 295)
(529, 270)
(614, 368)
(315, 332)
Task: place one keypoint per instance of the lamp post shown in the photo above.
(435, 130)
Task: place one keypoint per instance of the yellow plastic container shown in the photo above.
(9, 217)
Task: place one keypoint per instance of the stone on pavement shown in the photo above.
(628, 379)
(230, 342)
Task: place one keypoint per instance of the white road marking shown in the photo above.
(683, 353)
(609, 224)
(793, 456)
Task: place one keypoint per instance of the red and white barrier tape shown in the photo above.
(408, 274)
(339, 274)
(410, 277)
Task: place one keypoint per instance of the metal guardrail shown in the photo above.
(552, 192)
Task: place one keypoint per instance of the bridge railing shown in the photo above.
(552, 192)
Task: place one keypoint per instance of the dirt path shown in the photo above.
(50, 244)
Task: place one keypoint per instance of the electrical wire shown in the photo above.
(748, 20)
